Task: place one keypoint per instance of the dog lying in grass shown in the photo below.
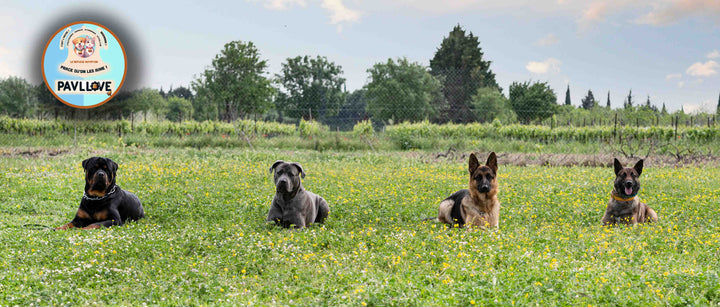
(477, 205)
(293, 205)
(625, 206)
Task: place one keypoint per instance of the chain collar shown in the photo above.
(86, 197)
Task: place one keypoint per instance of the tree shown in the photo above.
(402, 91)
(17, 97)
(628, 101)
(235, 85)
(567, 96)
(310, 88)
(182, 92)
(179, 108)
(47, 103)
(459, 63)
(146, 100)
(489, 104)
(648, 105)
(664, 110)
(608, 101)
(588, 102)
(532, 101)
(352, 111)
(717, 112)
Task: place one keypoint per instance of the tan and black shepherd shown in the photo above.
(625, 206)
(478, 205)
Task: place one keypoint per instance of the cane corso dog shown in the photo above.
(625, 206)
(293, 205)
(104, 203)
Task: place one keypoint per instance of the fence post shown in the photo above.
(615, 129)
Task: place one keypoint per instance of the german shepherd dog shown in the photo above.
(625, 206)
(478, 205)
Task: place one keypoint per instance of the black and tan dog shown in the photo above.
(478, 205)
(104, 203)
(625, 206)
(292, 204)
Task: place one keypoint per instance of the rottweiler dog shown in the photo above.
(625, 206)
(292, 204)
(478, 205)
(104, 203)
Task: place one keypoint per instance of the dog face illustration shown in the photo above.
(79, 43)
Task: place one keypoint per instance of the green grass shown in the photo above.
(204, 241)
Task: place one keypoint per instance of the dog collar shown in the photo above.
(618, 198)
(85, 196)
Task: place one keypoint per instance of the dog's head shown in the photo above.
(100, 175)
(287, 176)
(79, 42)
(627, 180)
(483, 178)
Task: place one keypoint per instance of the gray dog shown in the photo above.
(292, 204)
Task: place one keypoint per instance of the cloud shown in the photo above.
(713, 54)
(681, 84)
(6, 60)
(549, 65)
(594, 13)
(706, 106)
(674, 10)
(548, 40)
(339, 13)
(706, 69)
(673, 76)
(282, 4)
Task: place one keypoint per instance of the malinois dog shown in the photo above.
(478, 205)
(625, 206)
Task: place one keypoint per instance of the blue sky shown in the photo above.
(667, 49)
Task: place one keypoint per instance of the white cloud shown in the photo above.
(587, 13)
(6, 61)
(283, 4)
(548, 40)
(681, 84)
(673, 76)
(549, 65)
(706, 106)
(339, 13)
(673, 10)
(713, 54)
(706, 69)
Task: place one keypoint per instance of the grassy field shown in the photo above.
(204, 241)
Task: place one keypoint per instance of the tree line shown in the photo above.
(457, 86)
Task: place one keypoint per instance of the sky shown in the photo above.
(668, 50)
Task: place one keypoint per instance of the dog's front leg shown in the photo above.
(114, 219)
(275, 214)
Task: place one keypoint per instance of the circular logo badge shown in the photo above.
(84, 64)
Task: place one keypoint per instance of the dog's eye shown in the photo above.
(489, 177)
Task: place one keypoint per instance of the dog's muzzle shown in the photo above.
(283, 185)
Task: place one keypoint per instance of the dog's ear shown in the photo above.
(278, 162)
(618, 166)
(473, 164)
(86, 162)
(492, 162)
(112, 165)
(638, 167)
(300, 169)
